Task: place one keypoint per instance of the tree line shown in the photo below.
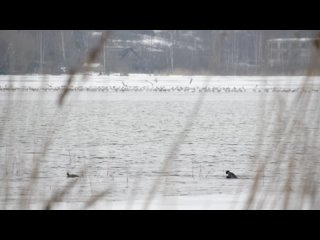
(219, 52)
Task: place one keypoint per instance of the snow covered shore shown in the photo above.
(145, 82)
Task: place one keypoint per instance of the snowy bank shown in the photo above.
(146, 82)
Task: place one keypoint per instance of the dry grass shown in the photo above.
(294, 127)
(294, 182)
(173, 151)
(28, 189)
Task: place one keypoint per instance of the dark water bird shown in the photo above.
(72, 175)
(230, 174)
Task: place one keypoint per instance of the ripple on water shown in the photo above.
(123, 139)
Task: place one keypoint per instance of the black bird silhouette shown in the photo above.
(72, 175)
(230, 174)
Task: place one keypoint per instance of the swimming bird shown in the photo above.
(72, 175)
(230, 174)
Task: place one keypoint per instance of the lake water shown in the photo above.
(121, 140)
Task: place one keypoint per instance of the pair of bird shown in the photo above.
(229, 175)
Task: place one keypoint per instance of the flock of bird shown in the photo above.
(124, 87)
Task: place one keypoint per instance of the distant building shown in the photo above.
(289, 55)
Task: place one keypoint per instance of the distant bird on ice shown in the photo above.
(190, 81)
(71, 175)
(150, 82)
(125, 85)
(230, 174)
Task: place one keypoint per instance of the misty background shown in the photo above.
(191, 52)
